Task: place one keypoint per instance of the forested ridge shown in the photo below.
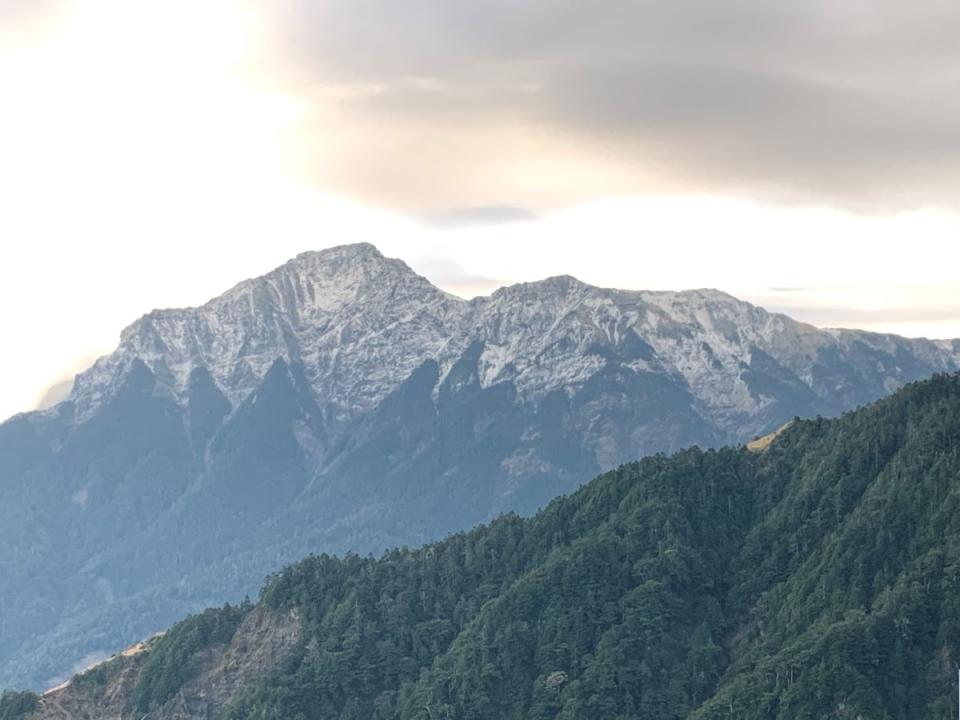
(819, 578)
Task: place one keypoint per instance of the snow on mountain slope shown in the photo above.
(360, 323)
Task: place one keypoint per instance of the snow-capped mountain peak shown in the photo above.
(357, 321)
(360, 323)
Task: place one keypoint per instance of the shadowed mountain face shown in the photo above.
(342, 403)
(813, 575)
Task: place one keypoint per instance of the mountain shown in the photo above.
(343, 403)
(815, 576)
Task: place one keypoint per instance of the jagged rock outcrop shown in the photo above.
(262, 640)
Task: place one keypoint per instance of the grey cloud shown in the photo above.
(838, 316)
(467, 217)
(849, 104)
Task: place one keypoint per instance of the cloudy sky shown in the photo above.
(803, 155)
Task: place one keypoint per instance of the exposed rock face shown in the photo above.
(343, 403)
(261, 641)
(359, 324)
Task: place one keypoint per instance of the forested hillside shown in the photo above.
(817, 578)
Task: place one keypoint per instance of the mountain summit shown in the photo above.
(360, 323)
(343, 403)
(347, 314)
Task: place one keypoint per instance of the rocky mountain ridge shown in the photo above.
(359, 324)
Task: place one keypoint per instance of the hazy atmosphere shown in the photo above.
(159, 152)
(480, 359)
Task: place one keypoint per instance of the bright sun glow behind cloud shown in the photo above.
(133, 133)
(122, 107)
(150, 158)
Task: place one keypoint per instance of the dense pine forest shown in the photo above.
(818, 577)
